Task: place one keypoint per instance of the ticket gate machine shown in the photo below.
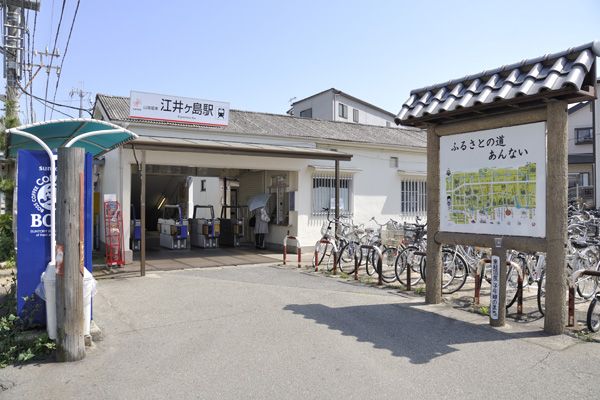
(204, 232)
(232, 228)
(173, 231)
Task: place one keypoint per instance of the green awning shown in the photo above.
(96, 137)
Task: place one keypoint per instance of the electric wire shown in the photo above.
(62, 12)
(64, 54)
(89, 111)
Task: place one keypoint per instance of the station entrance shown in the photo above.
(197, 217)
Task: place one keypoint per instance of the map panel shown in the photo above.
(493, 181)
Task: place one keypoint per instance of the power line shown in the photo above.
(89, 111)
(65, 54)
(39, 100)
(62, 11)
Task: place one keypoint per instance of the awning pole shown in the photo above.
(337, 195)
(143, 215)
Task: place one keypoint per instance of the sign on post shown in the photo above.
(494, 181)
(168, 108)
(495, 291)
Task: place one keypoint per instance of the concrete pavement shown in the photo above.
(257, 332)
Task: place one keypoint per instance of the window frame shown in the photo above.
(355, 115)
(342, 110)
(586, 140)
(413, 197)
(306, 111)
(327, 182)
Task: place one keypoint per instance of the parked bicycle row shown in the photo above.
(401, 257)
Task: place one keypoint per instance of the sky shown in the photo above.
(258, 55)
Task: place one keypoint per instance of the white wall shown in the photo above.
(579, 119)
(366, 115)
(321, 106)
(376, 185)
(212, 196)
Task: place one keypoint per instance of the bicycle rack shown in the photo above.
(408, 269)
(298, 249)
(335, 251)
(572, 284)
(379, 263)
(479, 271)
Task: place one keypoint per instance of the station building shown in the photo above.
(382, 170)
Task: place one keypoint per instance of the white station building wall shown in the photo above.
(376, 183)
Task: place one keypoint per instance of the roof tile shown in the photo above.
(560, 72)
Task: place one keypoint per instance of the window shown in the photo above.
(323, 194)
(306, 113)
(388, 124)
(583, 135)
(393, 162)
(413, 197)
(343, 110)
(355, 115)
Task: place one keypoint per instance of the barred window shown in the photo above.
(323, 194)
(413, 199)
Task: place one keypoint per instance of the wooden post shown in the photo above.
(69, 277)
(143, 216)
(556, 217)
(433, 286)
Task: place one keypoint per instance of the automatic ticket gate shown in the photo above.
(205, 230)
(173, 228)
(232, 228)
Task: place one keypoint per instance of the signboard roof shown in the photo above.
(567, 75)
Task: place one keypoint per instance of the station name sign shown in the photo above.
(494, 181)
(168, 108)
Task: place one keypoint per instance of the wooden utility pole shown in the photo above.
(433, 286)
(556, 218)
(69, 265)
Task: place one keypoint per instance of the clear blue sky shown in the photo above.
(259, 54)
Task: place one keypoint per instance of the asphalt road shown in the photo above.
(256, 332)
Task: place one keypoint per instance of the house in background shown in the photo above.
(582, 177)
(335, 105)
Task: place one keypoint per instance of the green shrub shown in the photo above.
(16, 344)
(7, 244)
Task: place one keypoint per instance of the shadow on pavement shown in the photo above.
(407, 332)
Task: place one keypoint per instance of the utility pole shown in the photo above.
(14, 32)
(82, 94)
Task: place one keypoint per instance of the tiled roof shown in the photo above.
(568, 75)
(283, 126)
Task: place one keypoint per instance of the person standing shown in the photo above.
(261, 227)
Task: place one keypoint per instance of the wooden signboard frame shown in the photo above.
(554, 114)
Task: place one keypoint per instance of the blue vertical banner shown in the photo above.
(33, 231)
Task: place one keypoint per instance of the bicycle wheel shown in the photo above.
(411, 257)
(454, 271)
(587, 285)
(541, 294)
(346, 259)
(324, 250)
(593, 316)
(388, 266)
(512, 286)
(369, 256)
